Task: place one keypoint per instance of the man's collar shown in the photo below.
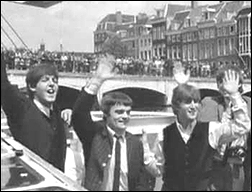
(190, 127)
(112, 132)
(42, 108)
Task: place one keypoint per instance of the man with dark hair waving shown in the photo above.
(35, 121)
(113, 156)
(189, 145)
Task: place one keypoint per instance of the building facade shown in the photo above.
(174, 36)
(144, 36)
(160, 24)
(107, 28)
(204, 37)
(244, 37)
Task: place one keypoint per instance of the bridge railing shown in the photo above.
(122, 76)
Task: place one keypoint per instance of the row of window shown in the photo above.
(226, 47)
(203, 50)
(207, 33)
(159, 51)
(244, 25)
(145, 42)
(245, 44)
(145, 55)
(226, 30)
(106, 26)
(98, 48)
(143, 30)
(100, 37)
(158, 32)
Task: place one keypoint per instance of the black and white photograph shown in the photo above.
(125, 95)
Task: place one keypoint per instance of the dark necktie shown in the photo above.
(117, 164)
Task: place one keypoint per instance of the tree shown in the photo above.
(113, 45)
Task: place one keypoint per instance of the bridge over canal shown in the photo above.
(146, 91)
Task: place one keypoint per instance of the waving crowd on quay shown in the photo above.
(208, 147)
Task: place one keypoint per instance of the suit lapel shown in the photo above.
(129, 146)
(105, 146)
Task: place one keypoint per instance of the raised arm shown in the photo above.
(82, 122)
(12, 100)
(180, 75)
(240, 125)
(81, 117)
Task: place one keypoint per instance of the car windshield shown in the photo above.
(15, 172)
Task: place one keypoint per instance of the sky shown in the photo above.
(70, 23)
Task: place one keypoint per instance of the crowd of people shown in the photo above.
(72, 62)
(198, 149)
(22, 59)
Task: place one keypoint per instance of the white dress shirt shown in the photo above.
(42, 108)
(109, 168)
(219, 132)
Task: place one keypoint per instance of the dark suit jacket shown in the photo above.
(97, 144)
(30, 126)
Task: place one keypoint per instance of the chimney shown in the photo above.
(194, 4)
(118, 18)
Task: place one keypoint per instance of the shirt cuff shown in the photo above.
(237, 102)
(93, 85)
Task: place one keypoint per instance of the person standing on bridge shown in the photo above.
(188, 166)
(35, 121)
(233, 156)
(113, 156)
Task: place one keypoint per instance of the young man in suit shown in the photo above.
(189, 145)
(102, 141)
(35, 121)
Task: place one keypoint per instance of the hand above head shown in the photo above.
(231, 82)
(105, 67)
(103, 72)
(180, 75)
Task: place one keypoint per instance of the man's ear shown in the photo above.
(31, 88)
